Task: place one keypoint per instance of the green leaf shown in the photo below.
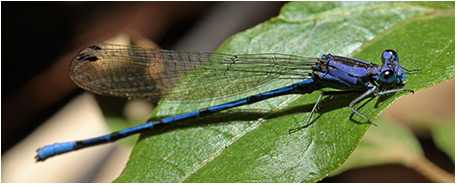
(251, 143)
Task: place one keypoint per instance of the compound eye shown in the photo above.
(388, 77)
(389, 56)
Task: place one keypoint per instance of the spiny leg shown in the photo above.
(361, 97)
(392, 91)
(373, 90)
(314, 110)
(311, 115)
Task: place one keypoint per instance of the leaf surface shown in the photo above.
(251, 143)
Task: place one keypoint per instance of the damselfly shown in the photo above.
(138, 72)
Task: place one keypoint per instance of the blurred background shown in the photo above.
(40, 105)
